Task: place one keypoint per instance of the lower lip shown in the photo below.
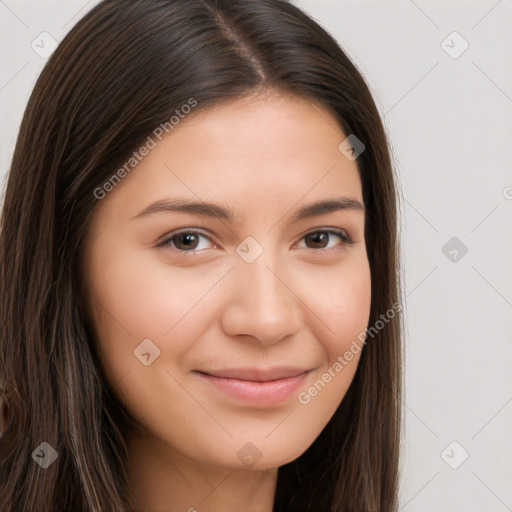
(262, 394)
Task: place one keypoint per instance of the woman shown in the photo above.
(261, 371)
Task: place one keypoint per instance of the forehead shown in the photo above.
(256, 155)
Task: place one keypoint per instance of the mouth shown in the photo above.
(259, 387)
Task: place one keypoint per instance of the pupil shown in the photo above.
(188, 237)
(317, 237)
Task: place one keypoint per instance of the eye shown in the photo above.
(318, 238)
(188, 240)
(184, 241)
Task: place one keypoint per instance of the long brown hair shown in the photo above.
(122, 71)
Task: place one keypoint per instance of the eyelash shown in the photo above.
(345, 240)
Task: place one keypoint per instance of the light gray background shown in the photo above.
(450, 123)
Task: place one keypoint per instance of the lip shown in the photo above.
(260, 387)
(256, 374)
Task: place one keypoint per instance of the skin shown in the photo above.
(263, 156)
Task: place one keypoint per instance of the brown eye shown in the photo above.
(321, 238)
(185, 241)
(318, 239)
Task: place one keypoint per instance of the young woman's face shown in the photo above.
(225, 343)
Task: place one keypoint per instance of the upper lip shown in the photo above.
(256, 374)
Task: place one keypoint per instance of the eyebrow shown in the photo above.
(222, 212)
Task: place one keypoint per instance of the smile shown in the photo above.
(262, 393)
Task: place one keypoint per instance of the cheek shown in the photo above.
(343, 303)
(137, 299)
(342, 300)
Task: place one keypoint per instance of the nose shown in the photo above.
(261, 302)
